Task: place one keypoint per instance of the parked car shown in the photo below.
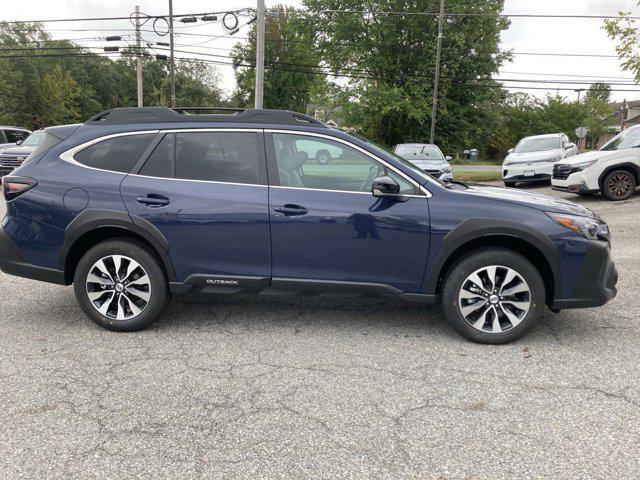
(532, 160)
(12, 157)
(10, 136)
(138, 204)
(321, 153)
(426, 157)
(614, 170)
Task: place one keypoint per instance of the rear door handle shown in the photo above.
(153, 200)
(289, 210)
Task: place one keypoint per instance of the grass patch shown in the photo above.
(463, 161)
(477, 176)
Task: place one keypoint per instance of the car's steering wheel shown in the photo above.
(374, 172)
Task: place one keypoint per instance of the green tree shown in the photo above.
(390, 62)
(291, 60)
(60, 99)
(599, 91)
(626, 31)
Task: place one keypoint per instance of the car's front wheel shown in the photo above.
(323, 157)
(493, 296)
(619, 185)
(120, 285)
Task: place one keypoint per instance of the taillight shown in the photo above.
(13, 187)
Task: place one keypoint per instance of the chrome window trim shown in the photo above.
(198, 181)
(421, 188)
(342, 191)
(67, 155)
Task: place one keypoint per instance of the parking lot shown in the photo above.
(268, 387)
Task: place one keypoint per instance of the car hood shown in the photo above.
(533, 156)
(539, 201)
(424, 163)
(26, 151)
(596, 154)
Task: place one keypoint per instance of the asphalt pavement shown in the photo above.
(271, 387)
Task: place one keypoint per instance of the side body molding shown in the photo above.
(92, 219)
(480, 228)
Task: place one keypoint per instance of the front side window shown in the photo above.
(230, 157)
(117, 154)
(14, 136)
(318, 163)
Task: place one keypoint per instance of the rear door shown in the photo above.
(205, 190)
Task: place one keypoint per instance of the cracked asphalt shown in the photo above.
(265, 387)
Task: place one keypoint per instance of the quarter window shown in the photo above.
(230, 157)
(318, 163)
(118, 154)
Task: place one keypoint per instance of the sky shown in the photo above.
(525, 35)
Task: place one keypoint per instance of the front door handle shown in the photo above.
(153, 200)
(289, 210)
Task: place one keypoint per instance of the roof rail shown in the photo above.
(224, 114)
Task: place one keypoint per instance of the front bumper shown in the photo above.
(521, 172)
(596, 282)
(13, 262)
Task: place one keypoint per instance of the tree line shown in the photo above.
(373, 72)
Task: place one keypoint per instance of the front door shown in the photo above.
(327, 227)
(206, 192)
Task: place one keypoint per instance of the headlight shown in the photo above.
(447, 169)
(578, 167)
(589, 227)
(555, 159)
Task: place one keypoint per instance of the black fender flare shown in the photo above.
(93, 219)
(481, 228)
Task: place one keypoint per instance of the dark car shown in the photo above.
(12, 157)
(138, 204)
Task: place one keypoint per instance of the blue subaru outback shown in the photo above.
(138, 204)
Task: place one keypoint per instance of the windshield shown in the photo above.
(527, 145)
(419, 152)
(34, 139)
(384, 151)
(626, 139)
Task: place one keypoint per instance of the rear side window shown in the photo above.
(118, 154)
(217, 156)
(46, 142)
(160, 162)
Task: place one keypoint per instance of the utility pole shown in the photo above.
(172, 64)
(260, 54)
(139, 58)
(436, 81)
(579, 90)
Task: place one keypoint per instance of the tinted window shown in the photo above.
(14, 136)
(160, 163)
(46, 142)
(217, 156)
(308, 162)
(117, 154)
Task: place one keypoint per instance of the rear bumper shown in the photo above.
(12, 262)
(596, 284)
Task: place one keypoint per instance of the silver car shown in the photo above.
(427, 157)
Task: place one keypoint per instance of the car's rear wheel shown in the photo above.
(323, 157)
(120, 285)
(493, 296)
(619, 185)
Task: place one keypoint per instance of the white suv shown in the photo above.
(533, 158)
(614, 170)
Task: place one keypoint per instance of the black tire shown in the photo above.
(619, 185)
(323, 157)
(457, 277)
(510, 184)
(158, 286)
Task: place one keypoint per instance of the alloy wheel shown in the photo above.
(118, 287)
(494, 299)
(620, 184)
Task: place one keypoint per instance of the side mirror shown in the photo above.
(385, 187)
(19, 142)
(569, 145)
(448, 158)
(510, 150)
